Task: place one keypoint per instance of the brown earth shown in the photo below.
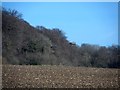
(30, 76)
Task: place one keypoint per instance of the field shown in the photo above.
(46, 76)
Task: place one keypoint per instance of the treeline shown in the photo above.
(24, 44)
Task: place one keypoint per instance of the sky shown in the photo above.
(82, 22)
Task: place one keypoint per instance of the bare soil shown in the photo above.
(46, 76)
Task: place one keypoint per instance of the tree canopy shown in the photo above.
(25, 44)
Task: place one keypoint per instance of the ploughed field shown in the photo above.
(46, 76)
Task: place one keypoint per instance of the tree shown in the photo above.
(40, 28)
(14, 13)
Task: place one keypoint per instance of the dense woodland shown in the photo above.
(23, 44)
